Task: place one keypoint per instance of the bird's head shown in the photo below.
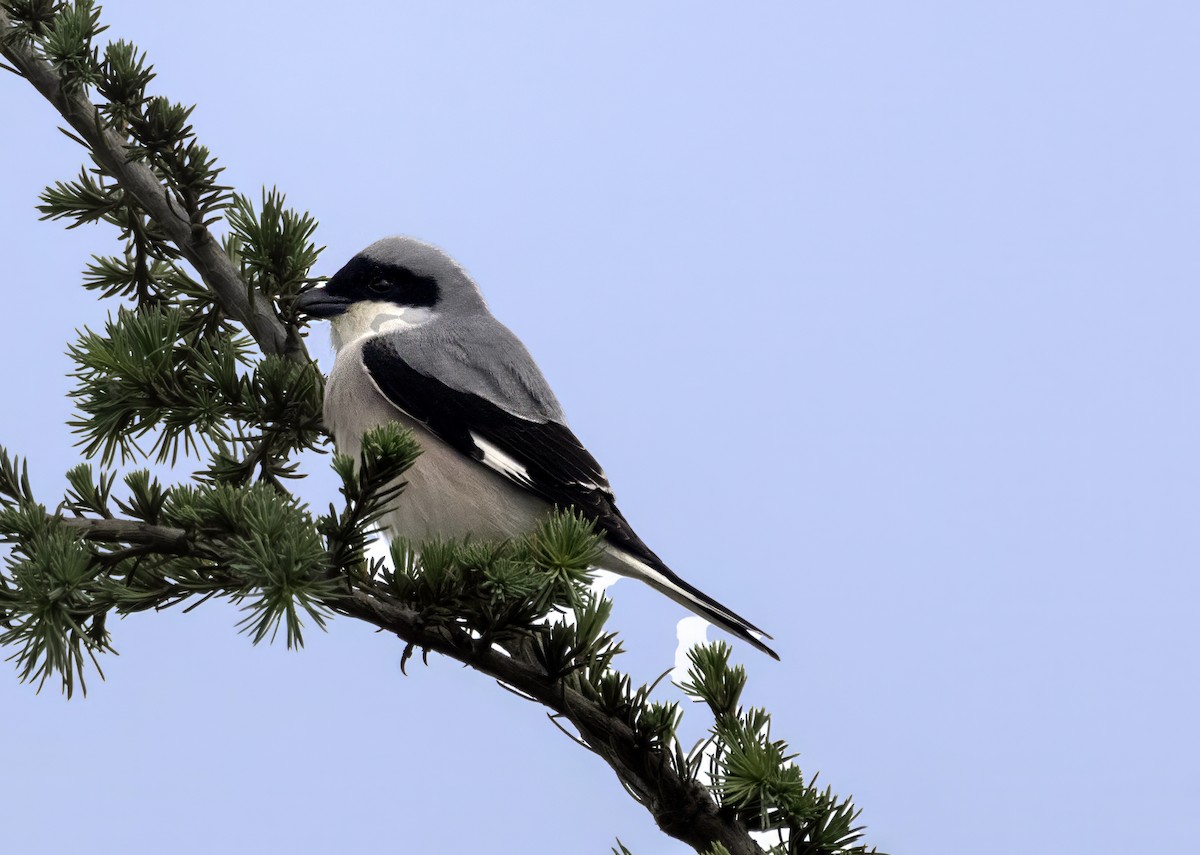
(394, 284)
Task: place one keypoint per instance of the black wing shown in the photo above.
(542, 457)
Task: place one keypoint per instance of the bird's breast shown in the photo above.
(447, 493)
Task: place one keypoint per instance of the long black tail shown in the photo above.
(660, 577)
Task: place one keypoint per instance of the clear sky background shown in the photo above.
(882, 318)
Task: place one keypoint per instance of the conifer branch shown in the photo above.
(190, 235)
(172, 368)
(161, 539)
(681, 807)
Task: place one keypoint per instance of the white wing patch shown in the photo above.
(503, 463)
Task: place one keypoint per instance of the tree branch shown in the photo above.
(682, 808)
(244, 542)
(167, 541)
(193, 239)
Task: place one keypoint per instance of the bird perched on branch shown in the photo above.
(416, 344)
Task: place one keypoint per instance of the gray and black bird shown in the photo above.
(417, 345)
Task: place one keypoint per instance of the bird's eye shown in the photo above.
(379, 286)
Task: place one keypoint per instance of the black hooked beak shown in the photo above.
(319, 303)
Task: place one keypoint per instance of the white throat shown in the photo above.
(372, 317)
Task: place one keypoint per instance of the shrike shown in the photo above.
(417, 345)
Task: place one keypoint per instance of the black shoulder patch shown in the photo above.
(555, 464)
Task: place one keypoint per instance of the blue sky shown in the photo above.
(882, 320)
